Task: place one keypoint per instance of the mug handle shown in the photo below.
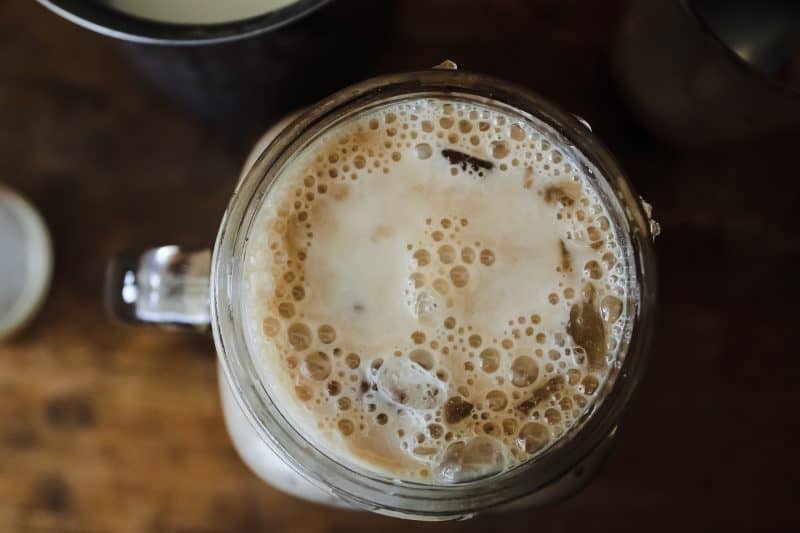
(169, 286)
(165, 286)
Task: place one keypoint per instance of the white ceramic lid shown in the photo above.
(26, 261)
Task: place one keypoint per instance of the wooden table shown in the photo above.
(106, 428)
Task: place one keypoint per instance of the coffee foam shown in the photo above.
(434, 291)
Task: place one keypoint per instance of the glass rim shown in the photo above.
(377, 492)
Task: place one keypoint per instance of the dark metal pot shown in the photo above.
(698, 72)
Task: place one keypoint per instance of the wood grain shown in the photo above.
(105, 428)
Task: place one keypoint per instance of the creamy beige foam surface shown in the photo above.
(433, 291)
(197, 11)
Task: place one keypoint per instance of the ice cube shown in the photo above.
(480, 457)
(405, 383)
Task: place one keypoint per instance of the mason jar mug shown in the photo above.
(179, 288)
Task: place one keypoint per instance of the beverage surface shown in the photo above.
(196, 11)
(433, 291)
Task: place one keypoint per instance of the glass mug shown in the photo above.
(175, 288)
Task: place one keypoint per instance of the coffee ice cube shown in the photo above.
(407, 384)
(479, 457)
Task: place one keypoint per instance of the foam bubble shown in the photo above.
(611, 308)
(524, 371)
(317, 365)
(487, 257)
(271, 326)
(447, 254)
(496, 400)
(303, 393)
(422, 257)
(299, 336)
(346, 426)
(326, 334)
(441, 286)
(344, 403)
(533, 436)
(593, 270)
(590, 384)
(475, 341)
(286, 309)
(459, 276)
(509, 427)
(423, 150)
(490, 360)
